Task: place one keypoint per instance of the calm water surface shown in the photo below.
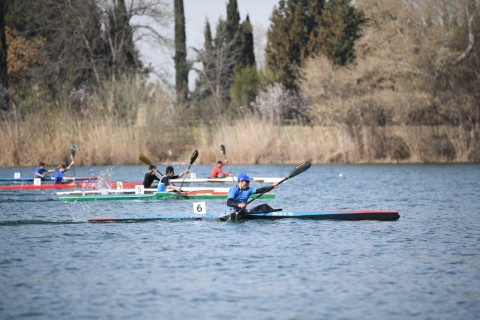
(426, 265)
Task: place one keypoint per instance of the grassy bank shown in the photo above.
(248, 141)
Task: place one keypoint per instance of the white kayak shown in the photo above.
(133, 190)
(226, 180)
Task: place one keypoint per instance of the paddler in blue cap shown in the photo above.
(238, 195)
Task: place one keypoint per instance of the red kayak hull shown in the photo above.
(82, 184)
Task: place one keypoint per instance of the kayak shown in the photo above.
(225, 180)
(352, 215)
(69, 185)
(133, 190)
(201, 194)
(40, 187)
(95, 185)
(46, 179)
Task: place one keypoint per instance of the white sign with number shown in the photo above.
(199, 208)
(16, 175)
(37, 181)
(139, 189)
(119, 185)
(193, 175)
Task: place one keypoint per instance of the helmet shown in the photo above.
(243, 177)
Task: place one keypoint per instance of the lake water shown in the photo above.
(426, 265)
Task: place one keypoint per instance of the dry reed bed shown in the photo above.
(248, 141)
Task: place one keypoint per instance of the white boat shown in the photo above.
(226, 180)
(133, 190)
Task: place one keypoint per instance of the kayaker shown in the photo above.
(41, 171)
(217, 170)
(170, 174)
(238, 195)
(59, 174)
(150, 176)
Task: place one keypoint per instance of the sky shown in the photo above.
(196, 13)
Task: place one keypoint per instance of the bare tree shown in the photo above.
(417, 65)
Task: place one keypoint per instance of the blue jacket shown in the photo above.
(58, 176)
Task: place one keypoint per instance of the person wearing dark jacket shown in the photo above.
(150, 176)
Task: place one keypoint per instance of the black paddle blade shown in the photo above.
(145, 160)
(73, 150)
(299, 169)
(302, 167)
(194, 157)
(222, 149)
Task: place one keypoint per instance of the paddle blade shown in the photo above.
(222, 150)
(73, 151)
(299, 169)
(194, 157)
(145, 160)
(302, 167)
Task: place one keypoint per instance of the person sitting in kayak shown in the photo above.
(59, 174)
(150, 176)
(170, 174)
(41, 171)
(238, 195)
(217, 170)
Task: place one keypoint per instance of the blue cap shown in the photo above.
(243, 177)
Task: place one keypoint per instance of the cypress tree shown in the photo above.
(233, 45)
(224, 59)
(248, 49)
(181, 66)
(338, 29)
(4, 96)
(233, 20)
(301, 28)
(204, 83)
(291, 26)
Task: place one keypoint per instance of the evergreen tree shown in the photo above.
(208, 95)
(204, 85)
(302, 28)
(181, 66)
(233, 46)
(244, 88)
(292, 23)
(248, 50)
(338, 29)
(224, 59)
(4, 95)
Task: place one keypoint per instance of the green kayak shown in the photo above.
(194, 195)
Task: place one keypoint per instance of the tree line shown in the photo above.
(370, 63)
(54, 52)
(58, 51)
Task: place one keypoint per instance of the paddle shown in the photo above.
(224, 152)
(295, 172)
(145, 160)
(73, 151)
(192, 160)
